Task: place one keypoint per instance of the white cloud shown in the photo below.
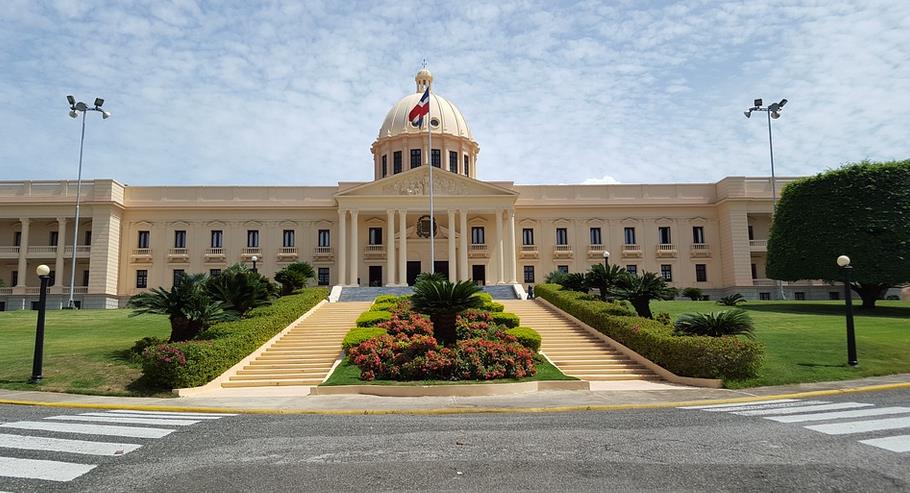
(604, 180)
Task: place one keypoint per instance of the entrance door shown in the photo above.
(413, 271)
(442, 267)
(479, 274)
(375, 275)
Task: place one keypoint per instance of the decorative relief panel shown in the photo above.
(420, 185)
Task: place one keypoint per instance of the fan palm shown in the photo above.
(731, 300)
(716, 324)
(442, 301)
(639, 290)
(187, 304)
(240, 289)
(426, 276)
(604, 279)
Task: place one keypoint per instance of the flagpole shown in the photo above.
(430, 161)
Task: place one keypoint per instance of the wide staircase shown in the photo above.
(305, 354)
(364, 293)
(574, 350)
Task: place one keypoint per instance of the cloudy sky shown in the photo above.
(292, 93)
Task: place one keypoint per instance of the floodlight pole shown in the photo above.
(72, 304)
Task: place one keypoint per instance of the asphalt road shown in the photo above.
(667, 449)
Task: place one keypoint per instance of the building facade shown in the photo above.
(129, 239)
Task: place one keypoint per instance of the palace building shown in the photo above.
(378, 233)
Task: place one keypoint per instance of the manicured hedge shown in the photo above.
(389, 298)
(690, 356)
(197, 362)
(382, 307)
(359, 334)
(527, 337)
(370, 319)
(510, 320)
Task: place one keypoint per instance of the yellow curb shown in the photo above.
(461, 410)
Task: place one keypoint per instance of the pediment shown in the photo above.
(417, 182)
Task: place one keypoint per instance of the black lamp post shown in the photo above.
(43, 272)
(606, 260)
(844, 262)
(254, 259)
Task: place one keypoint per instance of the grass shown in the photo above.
(806, 340)
(348, 373)
(85, 351)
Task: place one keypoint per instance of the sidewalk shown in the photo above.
(530, 402)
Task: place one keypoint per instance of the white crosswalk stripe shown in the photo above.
(799, 411)
(114, 423)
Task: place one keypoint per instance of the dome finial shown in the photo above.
(424, 78)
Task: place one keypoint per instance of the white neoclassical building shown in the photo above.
(378, 233)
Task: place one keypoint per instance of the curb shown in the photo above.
(463, 410)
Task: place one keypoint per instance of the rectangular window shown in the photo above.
(751, 233)
(88, 238)
(396, 162)
(436, 158)
(178, 275)
(754, 272)
(323, 238)
(385, 165)
(142, 279)
(54, 237)
(17, 238)
(214, 272)
(663, 234)
(764, 296)
(374, 236)
(632, 269)
(799, 296)
(14, 278)
(596, 238)
(252, 238)
(143, 239)
(562, 236)
(467, 165)
(85, 278)
(323, 278)
(527, 236)
(287, 238)
(698, 234)
(563, 268)
(477, 236)
(180, 239)
(666, 271)
(701, 273)
(529, 273)
(217, 238)
(415, 158)
(833, 295)
(629, 236)
(453, 161)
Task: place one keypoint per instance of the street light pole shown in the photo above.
(844, 262)
(254, 259)
(38, 360)
(606, 260)
(75, 109)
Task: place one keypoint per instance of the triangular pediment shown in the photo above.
(417, 182)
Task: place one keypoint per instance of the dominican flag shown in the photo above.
(422, 109)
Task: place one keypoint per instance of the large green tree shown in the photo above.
(861, 210)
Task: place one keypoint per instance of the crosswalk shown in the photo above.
(77, 437)
(830, 418)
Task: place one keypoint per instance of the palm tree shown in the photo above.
(604, 279)
(442, 301)
(640, 290)
(294, 277)
(187, 305)
(716, 324)
(240, 289)
(426, 276)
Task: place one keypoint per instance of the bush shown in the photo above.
(716, 324)
(690, 356)
(370, 319)
(693, 294)
(383, 307)
(240, 289)
(527, 337)
(509, 320)
(664, 318)
(389, 298)
(574, 281)
(359, 334)
(731, 300)
(493, 307)
(294, 277)
(225, 343)
(556, 277)
(140, 346)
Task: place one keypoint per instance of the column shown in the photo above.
(390, 249)
(23, 252)
(402, 247)
(498, 248)
(355, 254)
(60, 279)
(463, 274)
(342, 246)
(510, 256)
(452, 264)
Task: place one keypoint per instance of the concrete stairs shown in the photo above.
(574, 350)
(305, 354)
(501, 291)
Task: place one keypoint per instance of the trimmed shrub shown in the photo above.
(527, 337)
(509, 320)
(664, 318)
(140, 346)
(371, 319)
(693, 294)
(493, 307)
(383, 307)
(485, 296)
(716, 324)
(690, 356)
(388, 298)
(359, 334)
(163, 362)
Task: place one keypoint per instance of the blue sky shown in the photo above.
(293, 93)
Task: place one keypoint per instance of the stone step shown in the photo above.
(289, 366)
(604, 371)
(275, 377)
(291, 361)
(272, 383)
(629, 376)
(302, 372)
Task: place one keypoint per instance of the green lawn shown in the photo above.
(85, 351)
(806, 340)
(347, 373)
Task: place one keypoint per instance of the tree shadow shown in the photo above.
(818, 365)
(809, 308)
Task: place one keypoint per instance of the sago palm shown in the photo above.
(640, 290)
(604, 279)
(716, 324)
(187, 304)
(442, 301)
(239, 289)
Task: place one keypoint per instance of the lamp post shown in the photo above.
(606, 260)
(75, 110)
(773, 110)
(844, 263)
(254, 259)
(43, 274)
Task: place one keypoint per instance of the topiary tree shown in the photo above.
(640, 290)
(604, 279)
(188, 306)
(693, 294)
(861, 210)
(442, 301)
(294, 277)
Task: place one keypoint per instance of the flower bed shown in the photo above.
(689, 356)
